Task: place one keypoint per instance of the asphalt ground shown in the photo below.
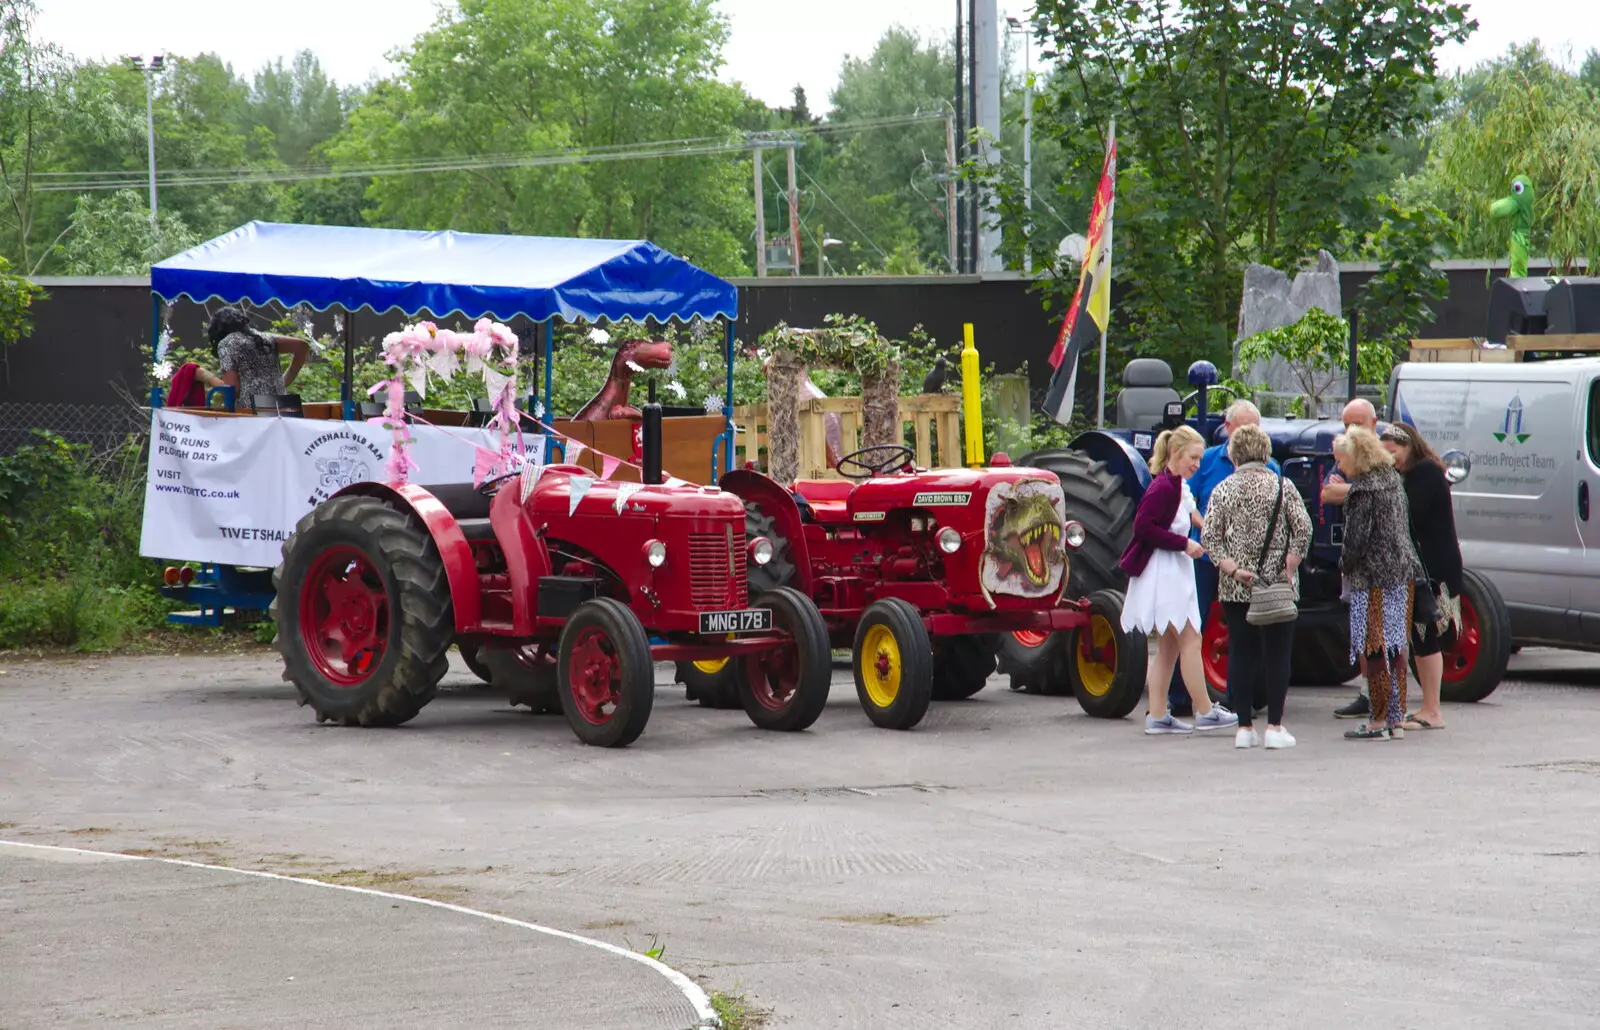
(1010, 863)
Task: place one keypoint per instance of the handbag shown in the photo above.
(1272, 603)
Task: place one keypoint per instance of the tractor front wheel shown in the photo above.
(893, 662)
(363, 613)
(786, 689)
(962, 666)
(528, 676)
(1105, 662)
(604, 674)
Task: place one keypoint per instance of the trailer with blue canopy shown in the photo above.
(362, 272)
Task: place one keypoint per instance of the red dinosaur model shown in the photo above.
(612, 400)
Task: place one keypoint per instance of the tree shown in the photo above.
(504, 77)
(1528, 117)
(1398, 300)
(113, 236)
(299, 105)
(30, 97)
(1590, 73)
(1238, 128)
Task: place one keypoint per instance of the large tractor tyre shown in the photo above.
(961, 666)
(1475, 658)
(1034, 661)
(527, 675)
(475, 663)
(787, 689)
(893, 663)
(1214, 654)
(605, 677)
(1106, 663)
(713, 682)
(363, 613)
(1321, 658)
(1095, 498)
(779, 572)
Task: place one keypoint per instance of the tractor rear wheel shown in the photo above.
(604, 674)
(961, 666)
(787, 689)
(528, 676)
(712, 682)
(1035, 661)
(1094, 498)
(1106, 663)
(1321, 658)
(779, 572)
(893, 663)
(363, 613)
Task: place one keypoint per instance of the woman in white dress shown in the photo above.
(1162, 601)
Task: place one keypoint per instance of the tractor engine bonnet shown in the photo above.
(555, 490)
(1012, 519)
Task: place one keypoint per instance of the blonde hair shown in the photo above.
(1249, 443)
(1363, 449)
(1171, 442)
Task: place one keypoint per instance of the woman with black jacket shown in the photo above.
(1433, 533)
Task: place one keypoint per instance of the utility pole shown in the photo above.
(156, 64)
(761, 222)
(822, 252)
(1015, 27)
(961, 141)
(794, 213)
(986, 107)
(950, 189)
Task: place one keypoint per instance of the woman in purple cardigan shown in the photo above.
(1162, 601)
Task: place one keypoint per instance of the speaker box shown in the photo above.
(1573, 305)
(1517, 306)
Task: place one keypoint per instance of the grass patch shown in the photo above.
(883, 919)
(737, 1012)
(608, 924)
(8, 826)
(89, 831)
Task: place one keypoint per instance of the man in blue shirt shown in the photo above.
(1214, 468)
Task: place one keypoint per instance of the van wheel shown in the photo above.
(1475, 658)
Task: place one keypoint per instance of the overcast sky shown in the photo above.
(773, 44)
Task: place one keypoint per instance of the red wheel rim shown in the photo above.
(1462, 654)
(594, 676)
(344, 615)
(1030, 637)
(1214, 649)
(774, 677)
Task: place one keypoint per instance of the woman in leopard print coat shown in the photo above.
(1380, 569)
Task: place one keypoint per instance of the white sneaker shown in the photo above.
(1219, 718)
(1279, 739)
(1247, 737)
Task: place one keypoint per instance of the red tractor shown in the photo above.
(919, 573)
(568, 602)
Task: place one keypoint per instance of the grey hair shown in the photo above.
(1249, 444)
(1238, 408)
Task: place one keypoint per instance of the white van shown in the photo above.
(1521, 441)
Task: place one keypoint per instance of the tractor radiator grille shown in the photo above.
(716, 570)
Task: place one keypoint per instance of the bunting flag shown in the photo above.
(417, 375)
(577, 490)
(1090, 312)
(625, 491)
(573, 449)
(608, 465)
(531, 471)
(484, 465)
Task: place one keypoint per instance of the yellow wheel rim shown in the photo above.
(1095, 675)
(879, 663)
(711, 666)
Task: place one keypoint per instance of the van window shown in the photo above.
(1594, 422)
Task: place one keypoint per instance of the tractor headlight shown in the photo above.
(761, 550)
(1074, 534)
(949, 540)
(655, 552)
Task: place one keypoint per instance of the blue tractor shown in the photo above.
(1105, 472)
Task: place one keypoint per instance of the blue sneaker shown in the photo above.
(1166, 724)
(1219, 718)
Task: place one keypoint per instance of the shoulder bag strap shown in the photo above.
(1272, 527)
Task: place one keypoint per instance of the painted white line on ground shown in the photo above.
(702, 1005)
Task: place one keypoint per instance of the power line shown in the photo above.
(852, 221)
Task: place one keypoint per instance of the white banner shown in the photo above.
(230, 490)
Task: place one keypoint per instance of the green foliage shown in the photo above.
(1399, 299)
(70, 571)
(1317, 351)
(1239, 124)
(17, 296)
(112, 235)
(844, 341)
(1524, 115)
(737, 1012)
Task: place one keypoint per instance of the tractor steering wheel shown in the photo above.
(895, 456)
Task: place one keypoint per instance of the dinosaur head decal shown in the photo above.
(632, 357)
(1024, 523)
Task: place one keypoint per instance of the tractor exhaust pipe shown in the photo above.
(651, 444)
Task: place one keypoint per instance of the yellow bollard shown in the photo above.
(970, 401)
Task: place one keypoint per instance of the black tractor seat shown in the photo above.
(476, 529)
(463, 500)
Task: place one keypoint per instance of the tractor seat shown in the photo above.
(476, 529)
(1146, 392)
(825, 500)
(461, 499)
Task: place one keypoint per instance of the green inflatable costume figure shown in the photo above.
(1519, 208)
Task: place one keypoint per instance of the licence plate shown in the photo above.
(746, 621)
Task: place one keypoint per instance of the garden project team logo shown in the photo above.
(1512, 428)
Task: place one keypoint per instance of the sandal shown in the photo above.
(1367, 731)
(1414, 723)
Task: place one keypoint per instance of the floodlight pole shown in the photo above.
(149, 70)
(1015, 27)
